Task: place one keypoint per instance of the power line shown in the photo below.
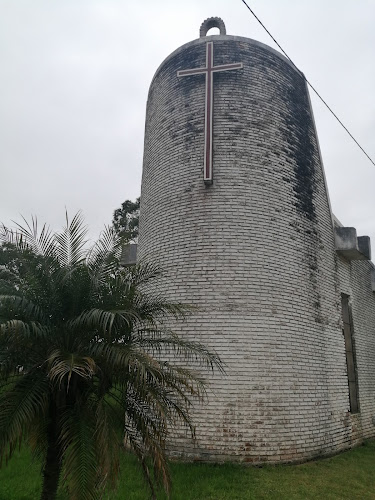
(309, 84)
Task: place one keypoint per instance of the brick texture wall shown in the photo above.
(254, 252)
(355, 280)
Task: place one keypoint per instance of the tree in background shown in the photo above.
(126, 220)
(82, 360)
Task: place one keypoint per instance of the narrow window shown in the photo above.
(350, 353)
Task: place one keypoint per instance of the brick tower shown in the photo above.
(235, 210)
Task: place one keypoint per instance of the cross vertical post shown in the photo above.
(208, 71)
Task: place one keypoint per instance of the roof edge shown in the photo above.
(234, 38)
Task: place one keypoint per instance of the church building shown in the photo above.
(235, 210)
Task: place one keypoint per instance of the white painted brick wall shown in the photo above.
(355, 281)
(254, 251)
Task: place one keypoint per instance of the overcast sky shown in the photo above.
(74, 82)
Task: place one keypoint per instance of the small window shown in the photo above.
(350, 353)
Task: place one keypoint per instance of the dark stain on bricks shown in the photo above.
(299, 133)
(280, 113)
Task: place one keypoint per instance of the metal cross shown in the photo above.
(209, 70)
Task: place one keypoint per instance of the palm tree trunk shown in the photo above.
(52, 468)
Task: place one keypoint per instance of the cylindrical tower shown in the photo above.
(235, 209)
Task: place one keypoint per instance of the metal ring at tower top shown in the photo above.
(212, 22)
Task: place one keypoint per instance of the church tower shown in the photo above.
(235, 210)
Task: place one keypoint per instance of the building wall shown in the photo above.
(254, 252)
(355, 280)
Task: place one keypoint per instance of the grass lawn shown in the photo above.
(350, 475)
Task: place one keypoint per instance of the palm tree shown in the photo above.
(85, 359)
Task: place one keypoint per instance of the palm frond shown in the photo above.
(61, 367)
(29, 237)
(164, 341)
(70, 244)
(21, 307)
(80, 453)
(21, 346)
(155, 309)
(16, 330)
(114, 358)
(37, 437)
(103, 258)
(143, 272)
(100, 320)
(27, 399)
(146, 434)
(108, 431)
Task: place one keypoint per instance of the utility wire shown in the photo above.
(309, 84)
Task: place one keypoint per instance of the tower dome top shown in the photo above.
(212, 22)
